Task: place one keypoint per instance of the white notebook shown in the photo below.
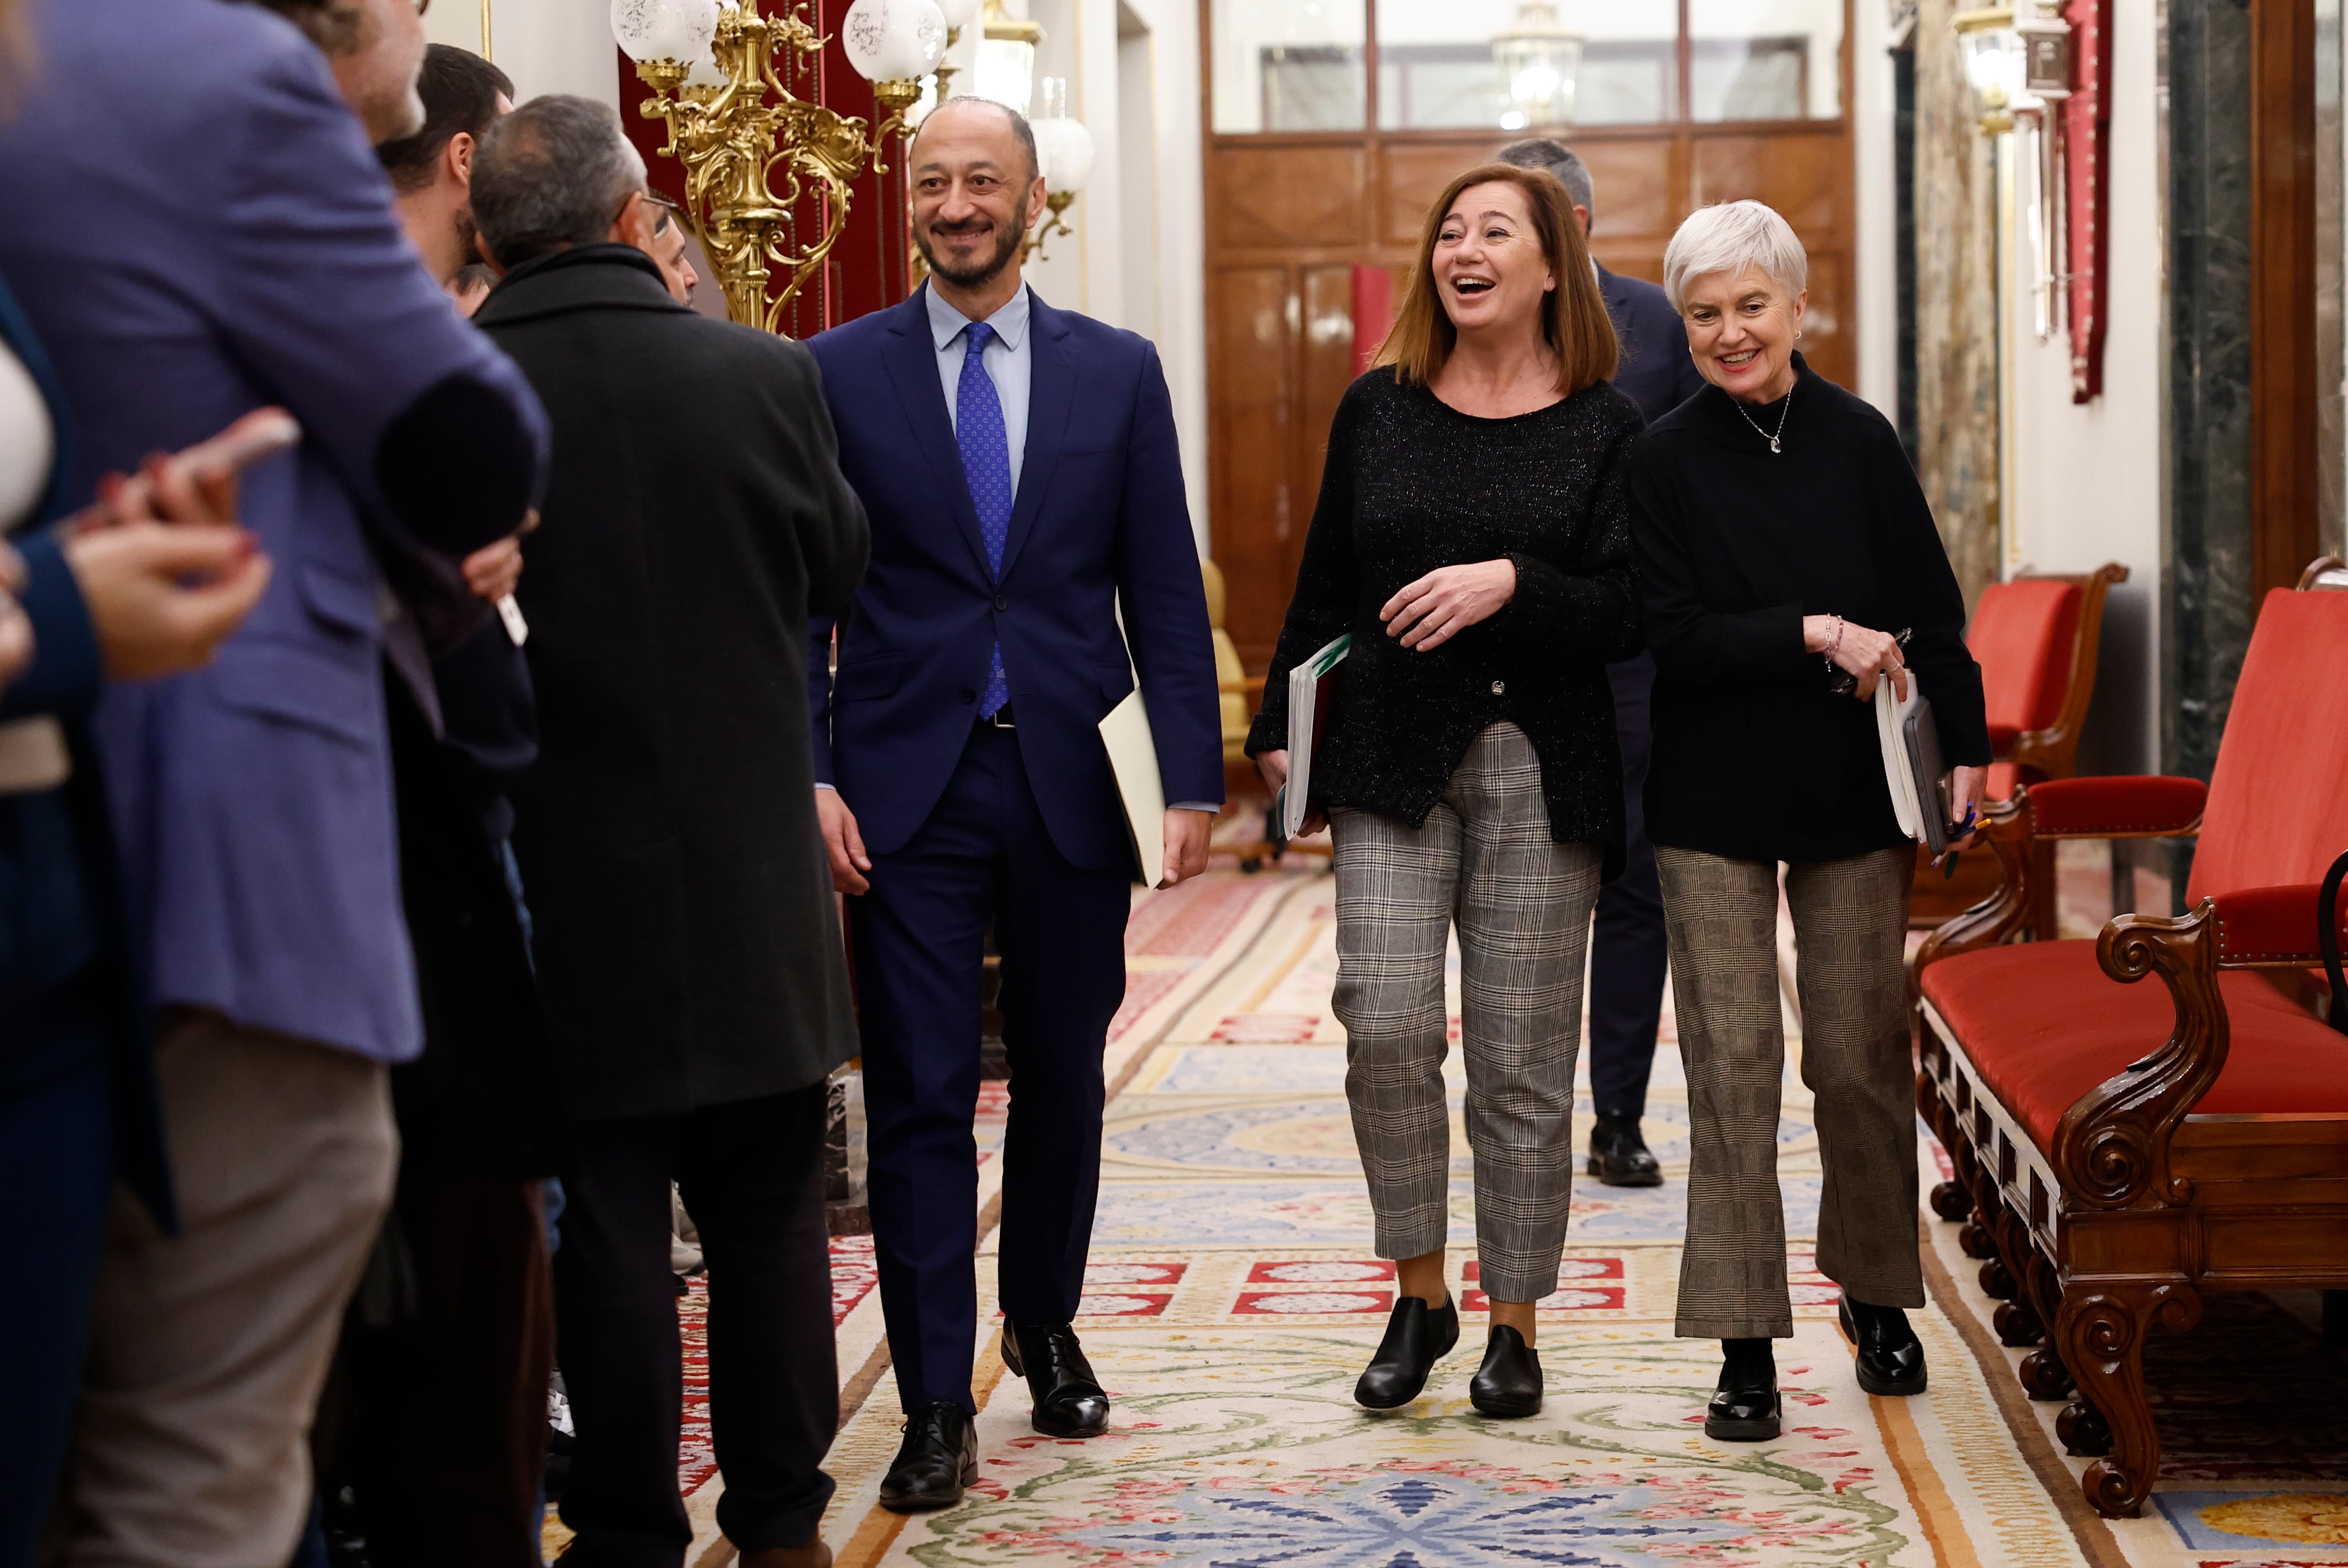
(1913, 769)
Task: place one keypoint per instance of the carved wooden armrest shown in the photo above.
(2006, 829)
(2275, 927)
(2111, 1149)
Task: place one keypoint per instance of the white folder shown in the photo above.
(1133, 757)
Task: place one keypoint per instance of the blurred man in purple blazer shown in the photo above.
(230, 242)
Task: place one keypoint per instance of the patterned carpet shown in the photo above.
(1232, 1299)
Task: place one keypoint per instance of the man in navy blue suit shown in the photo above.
(1628, 955)
(1020, 469)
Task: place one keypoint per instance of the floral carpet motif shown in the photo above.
(1234, 1295)
(1235, 1450)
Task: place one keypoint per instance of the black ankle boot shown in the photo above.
(1747, 1408)
(1509, 1385)
(1619, 1157)
(1890, 1357)
(1417, 1336)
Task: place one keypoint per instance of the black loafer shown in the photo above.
(938, 1458)
(1069, 1402)
(1417, 1338)
(1747, 1409)
(1890, 1357)
(1619, 1156)
(1509, 1384)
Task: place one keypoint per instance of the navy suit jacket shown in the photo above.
(1099, 519)
(1656, 372)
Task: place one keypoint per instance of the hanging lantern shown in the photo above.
(1539, 61)
(1007, 59)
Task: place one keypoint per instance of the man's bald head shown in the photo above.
(957, 111)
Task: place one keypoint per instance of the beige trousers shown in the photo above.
(210, 1348)
(1850, 927)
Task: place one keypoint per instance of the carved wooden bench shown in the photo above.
(2120, 1150)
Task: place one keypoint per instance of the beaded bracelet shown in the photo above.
(1835, 646)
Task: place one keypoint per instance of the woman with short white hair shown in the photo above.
(1787, 562)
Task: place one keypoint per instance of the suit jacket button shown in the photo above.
(1002, 602)
(1499, 688)
(967, 695)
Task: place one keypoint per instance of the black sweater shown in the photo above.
(1756, 758)
(1412, 485)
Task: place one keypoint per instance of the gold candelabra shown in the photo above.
(754, 152)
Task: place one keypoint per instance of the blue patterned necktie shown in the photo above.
(986, 464)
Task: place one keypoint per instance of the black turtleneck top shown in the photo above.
(1410, 485)
(1755, 757)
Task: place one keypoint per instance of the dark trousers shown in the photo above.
(1628, 951)
(56, 1183)
(751, 1175)
(984, 856)
(445, 1434)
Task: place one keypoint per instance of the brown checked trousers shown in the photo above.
(1850, 923)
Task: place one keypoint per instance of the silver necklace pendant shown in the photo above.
(1776, 446)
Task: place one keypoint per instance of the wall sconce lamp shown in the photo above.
(1992, 52)
(1064, 149)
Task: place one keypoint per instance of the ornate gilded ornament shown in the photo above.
(754, 152)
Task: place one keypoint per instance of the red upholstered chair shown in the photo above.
(2121, 1149)
(2036, 639)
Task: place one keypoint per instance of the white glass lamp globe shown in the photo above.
(894, 40)
(664, 29)
(1064, 148)
(959, 13)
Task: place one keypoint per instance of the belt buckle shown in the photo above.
(1000, 718)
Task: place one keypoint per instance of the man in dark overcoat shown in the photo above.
(688, 947)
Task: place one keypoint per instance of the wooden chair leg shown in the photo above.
(2102, 1333)
(2045, 923)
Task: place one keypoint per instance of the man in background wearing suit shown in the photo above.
(1628, 956)
(1020, 467)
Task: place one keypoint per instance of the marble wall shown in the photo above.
(1956, 304)
(2206, 561)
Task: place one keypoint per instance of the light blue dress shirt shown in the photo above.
(1010, 360)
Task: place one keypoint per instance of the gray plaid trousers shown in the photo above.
(1851, 925)
(1485, 860)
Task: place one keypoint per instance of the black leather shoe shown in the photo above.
(1619, 1156)
(1747, 1409)
(1509, 1384)
(938, 1458)
(1417, 1338)
(1069, 1402)
(1890, 1357)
